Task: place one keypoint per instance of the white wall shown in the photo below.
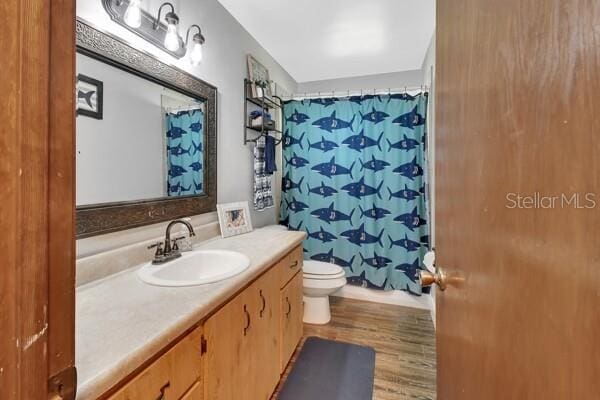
(121, 156)
(224, 65)
(380, 81)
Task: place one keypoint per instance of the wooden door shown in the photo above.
(37, 282)
(518, 114)
(291, 319)
(227, 361)
(265, 332)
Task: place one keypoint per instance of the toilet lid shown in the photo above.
(319, 268)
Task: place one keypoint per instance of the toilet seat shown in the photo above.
(321, 270)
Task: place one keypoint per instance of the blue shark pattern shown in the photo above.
(296, 206)
(197, 147)
(288, 184)
(322, 190)
(411, 270)
(376, 261)
(323, 145)
(409, 245)
(330, 168)
(323, 102)
(332, 123)
(401, 96)
(360, 189)
(330, 258)
(322, 235)
(329, 214)
(288, 140)
(360, 142)
(175, 132)
(196, 166)
(404, 144)
(296, 161)
(360, 236)
(195, 126)
(411, 220)
(410, 119)
(406, 193)
(374, 116)
(184, 142)
(176, 170)
(374, 212)
(297, 118)
(371, 220)
(373, 164)
(178, 150)
(410, 169)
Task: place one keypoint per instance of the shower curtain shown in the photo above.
(185, 135)
(353, 179)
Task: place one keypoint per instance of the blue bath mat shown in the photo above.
(330, 370)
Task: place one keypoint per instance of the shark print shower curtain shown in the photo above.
(354, 181)
(185, 135)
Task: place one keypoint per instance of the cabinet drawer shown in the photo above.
(292, 309)
(290, 265)
(195, 393)
(172, 374)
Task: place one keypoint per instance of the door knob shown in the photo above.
(439, 278)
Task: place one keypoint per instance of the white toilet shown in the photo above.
(320, 280)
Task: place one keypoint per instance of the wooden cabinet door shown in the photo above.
(265, 334)
(227, 361)
(292, 308)
(171, 375)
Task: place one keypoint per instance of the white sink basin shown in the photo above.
(193, 268)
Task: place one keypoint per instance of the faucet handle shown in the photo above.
(159, 250)
(175, 245)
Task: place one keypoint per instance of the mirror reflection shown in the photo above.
(136, 139)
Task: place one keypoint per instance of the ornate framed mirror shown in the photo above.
(146, 137)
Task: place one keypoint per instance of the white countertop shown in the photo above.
(122, 322)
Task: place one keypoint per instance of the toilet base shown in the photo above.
(316, 310)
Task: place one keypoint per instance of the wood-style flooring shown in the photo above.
(403, 339)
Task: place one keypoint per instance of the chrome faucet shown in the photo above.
(170, 251)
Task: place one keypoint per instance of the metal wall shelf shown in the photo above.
(266, 104)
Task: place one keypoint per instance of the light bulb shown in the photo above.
(196, 54)
(172, 38)
(133, 15)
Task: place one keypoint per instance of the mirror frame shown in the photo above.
(97, 219)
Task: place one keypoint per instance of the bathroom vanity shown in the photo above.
(150, 157)
(225, 340)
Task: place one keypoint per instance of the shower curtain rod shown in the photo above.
(355, 92)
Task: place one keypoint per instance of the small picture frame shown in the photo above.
(258, 72)
(89, 97)
(234, 218)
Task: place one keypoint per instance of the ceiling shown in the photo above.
(328, 39)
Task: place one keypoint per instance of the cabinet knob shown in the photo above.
(294, 264)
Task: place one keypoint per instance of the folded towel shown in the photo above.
(263, 192)
(270, 164)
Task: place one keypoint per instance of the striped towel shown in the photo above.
(263, 192)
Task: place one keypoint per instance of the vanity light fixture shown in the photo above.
(172, 39)
(198, 39)
(133, 14)
(164, 35)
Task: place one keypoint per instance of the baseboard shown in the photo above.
(396, 297)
